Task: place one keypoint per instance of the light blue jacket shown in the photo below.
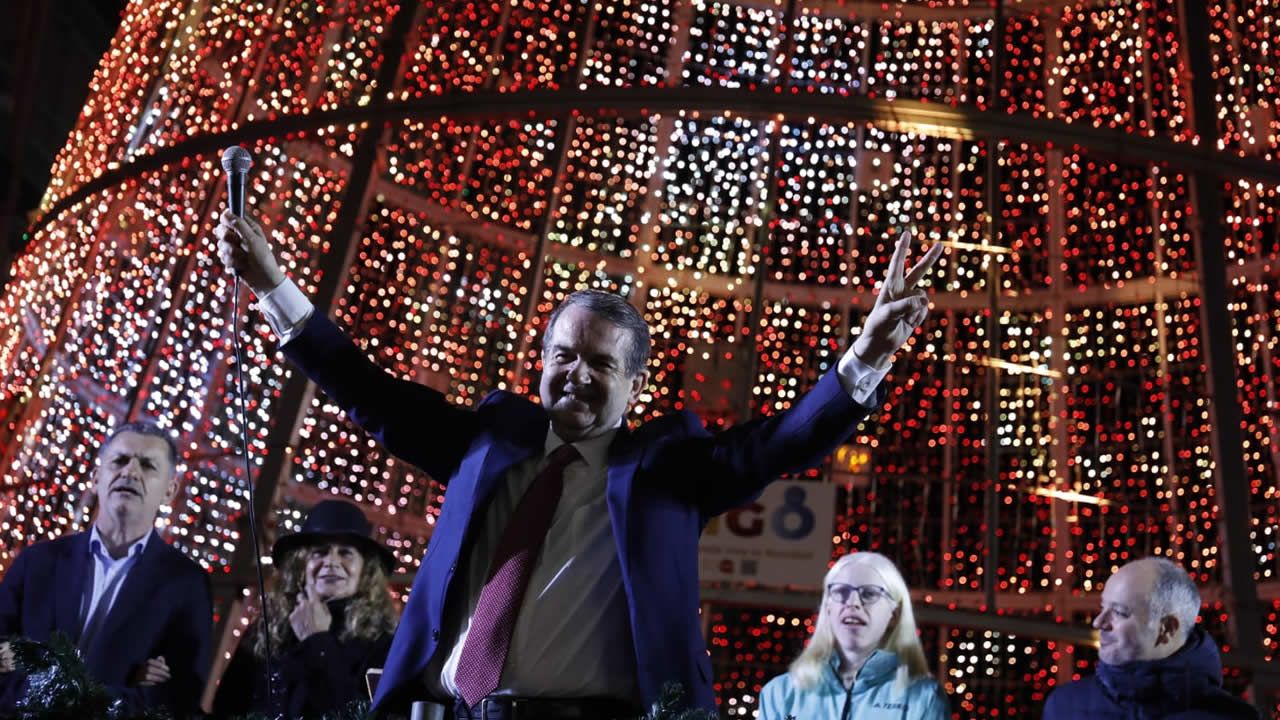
(874, 696)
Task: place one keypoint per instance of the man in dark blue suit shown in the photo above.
(138, 610)
(561, 580)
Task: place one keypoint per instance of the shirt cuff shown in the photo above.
(859, 379)
(287, 310)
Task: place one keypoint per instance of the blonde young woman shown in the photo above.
(864, 660)
(332, 619)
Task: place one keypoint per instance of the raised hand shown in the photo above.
(243, 250)
(6, 658)
(900, 307)
(310, 616)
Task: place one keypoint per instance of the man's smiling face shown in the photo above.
(586, 386)
(1126, 630)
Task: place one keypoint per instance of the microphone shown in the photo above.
(236, 161)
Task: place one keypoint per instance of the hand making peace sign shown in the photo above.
(900, 307)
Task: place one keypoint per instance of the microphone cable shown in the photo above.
(249, 485)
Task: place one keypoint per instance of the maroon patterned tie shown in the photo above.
(489, 638)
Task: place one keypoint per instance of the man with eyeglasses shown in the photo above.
(1153, 662)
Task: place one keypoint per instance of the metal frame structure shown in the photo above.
(1209, 166)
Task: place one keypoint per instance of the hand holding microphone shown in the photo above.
(242, 246)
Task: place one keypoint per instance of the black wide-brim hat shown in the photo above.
(335, 521)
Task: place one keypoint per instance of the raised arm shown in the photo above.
(735, 465)
(412, 421)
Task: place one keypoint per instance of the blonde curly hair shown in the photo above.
(370, 614)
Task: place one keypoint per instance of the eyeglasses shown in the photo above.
(867, 594)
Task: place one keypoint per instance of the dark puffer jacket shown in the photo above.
(1184, 686)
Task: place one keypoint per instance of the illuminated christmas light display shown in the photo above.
(428, 178)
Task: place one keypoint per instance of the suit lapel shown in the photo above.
(501, 457)
(71, 580)
(485, 468)
(523, 436)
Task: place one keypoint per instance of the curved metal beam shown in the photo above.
(961, 122)
(899, 10)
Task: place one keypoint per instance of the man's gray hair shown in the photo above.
(1174, 593)
(150, 429)
(616, 310)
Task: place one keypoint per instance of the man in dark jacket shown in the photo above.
(138, 609)
(1153, 661)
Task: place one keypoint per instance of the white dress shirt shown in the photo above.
(573, 635)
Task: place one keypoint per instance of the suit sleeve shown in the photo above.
(401, 415)
(12, 588)
(192, 646)
(1050, 706)
(735, 466)
(186, 650)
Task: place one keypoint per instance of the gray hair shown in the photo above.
(1174, 593)
(616, 310)
(150, 429)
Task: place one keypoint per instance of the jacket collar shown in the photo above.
(1194, 670)
(880, 668)
(97, 547)
(594, 450)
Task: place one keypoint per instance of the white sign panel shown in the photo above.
(784, 538)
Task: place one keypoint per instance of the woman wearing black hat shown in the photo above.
(331, 620)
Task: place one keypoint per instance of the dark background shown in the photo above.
(48, 52)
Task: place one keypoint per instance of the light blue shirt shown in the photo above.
(874, 695)
(108, 576)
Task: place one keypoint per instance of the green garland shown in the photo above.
(671, 705)
(59, 687)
